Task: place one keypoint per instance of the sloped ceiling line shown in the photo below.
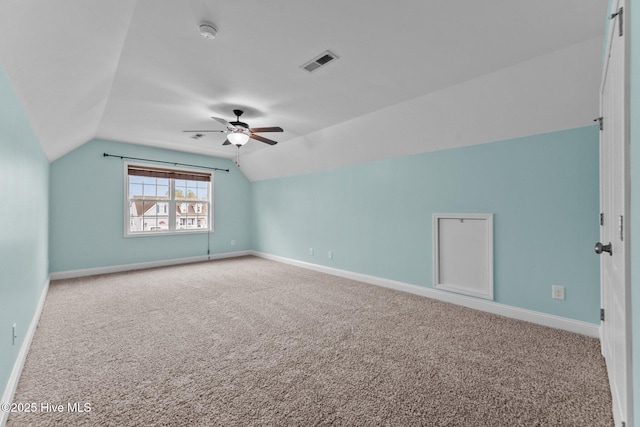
(116, 67)
(62, 59)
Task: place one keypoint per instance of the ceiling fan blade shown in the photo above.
(270, 129)
(225, 123)
(262, 139)
(226, 142)
(203, 131)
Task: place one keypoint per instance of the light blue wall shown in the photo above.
(635, 201)
(87, 216)
(376, 217)
(24, 187)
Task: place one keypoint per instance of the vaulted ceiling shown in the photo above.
(140, 72)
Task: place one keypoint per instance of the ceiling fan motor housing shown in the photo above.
(240, 124)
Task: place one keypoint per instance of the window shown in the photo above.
(161, 201)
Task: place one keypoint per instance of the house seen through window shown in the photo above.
(161, 201)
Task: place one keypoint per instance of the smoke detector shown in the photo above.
(208, 31)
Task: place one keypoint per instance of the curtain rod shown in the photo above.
(162, 161)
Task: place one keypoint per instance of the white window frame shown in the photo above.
(172, 203)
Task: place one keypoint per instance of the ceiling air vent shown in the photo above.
(323, 59)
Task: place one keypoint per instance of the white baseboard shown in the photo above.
(14, 378)
(550, 320)
(69, 274)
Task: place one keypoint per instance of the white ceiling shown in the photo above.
(140, 72)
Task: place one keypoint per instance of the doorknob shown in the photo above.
(603, 248)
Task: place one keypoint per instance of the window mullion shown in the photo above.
(172, 205)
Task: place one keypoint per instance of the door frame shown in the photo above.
(612, 33)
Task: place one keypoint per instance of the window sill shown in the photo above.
(167, 233)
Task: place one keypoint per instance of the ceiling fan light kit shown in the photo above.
(238, 138)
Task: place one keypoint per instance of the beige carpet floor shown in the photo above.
(248, 342)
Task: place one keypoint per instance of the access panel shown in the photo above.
(463, 254)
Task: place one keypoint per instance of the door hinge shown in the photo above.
(620, 16)
(621, 227)
(599, 120)
(601, 218)
(602, 314)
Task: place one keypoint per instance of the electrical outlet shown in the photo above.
(310, 251)
(13, 334)
(557, 292)
(330, 255)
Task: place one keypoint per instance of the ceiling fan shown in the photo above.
(238, 133)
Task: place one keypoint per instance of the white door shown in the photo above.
(614, 246)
